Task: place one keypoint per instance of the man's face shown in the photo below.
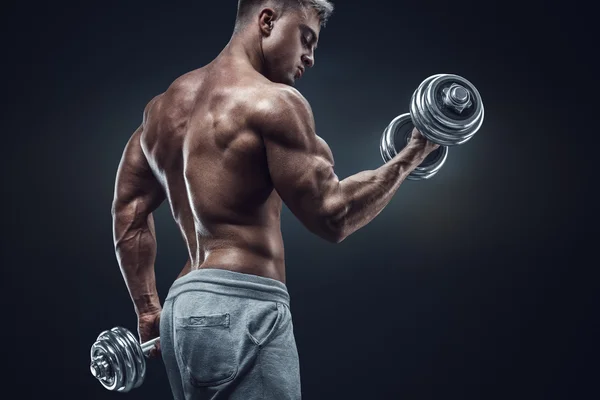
(289, 49)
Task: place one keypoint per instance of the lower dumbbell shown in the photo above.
(397, 135)
(118, 360)
(447, 110)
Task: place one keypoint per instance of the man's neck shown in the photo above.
(245, 48)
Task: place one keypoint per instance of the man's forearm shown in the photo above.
(366, 193)
(135, 247)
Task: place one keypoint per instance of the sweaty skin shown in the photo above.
(225, 145)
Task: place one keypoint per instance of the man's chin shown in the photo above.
(290, 81)
(293, 79)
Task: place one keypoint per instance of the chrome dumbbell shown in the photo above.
(118, 360)
(447, 109)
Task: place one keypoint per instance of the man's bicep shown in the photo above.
(137, 190)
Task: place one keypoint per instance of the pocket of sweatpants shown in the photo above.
(205, 347)
(264, 322)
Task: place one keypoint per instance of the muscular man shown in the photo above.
(225, 144)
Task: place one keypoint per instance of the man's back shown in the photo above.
(213, 168)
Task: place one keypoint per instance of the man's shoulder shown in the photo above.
(179, 97)
(280, 111)
(275, 101)
(287, 95)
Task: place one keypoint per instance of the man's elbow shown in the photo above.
(336, 232)
(118, 207)
(127, 217)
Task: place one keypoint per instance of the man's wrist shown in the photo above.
(415, 152)
(147, 304)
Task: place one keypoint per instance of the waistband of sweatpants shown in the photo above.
(232, 283)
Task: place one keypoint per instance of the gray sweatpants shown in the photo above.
(229, 335)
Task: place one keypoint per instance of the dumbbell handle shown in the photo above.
(147, 346)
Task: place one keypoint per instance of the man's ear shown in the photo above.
(266, 18)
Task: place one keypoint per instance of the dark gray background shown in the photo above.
(478, 284)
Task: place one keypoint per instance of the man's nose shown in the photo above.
(308, 61)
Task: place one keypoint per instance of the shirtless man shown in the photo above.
(225, 144)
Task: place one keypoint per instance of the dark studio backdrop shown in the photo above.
(477, 284)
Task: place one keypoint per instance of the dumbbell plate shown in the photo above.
(395, 138)
(440, 123)
(119, 348)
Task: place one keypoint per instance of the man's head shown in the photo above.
(288, 32)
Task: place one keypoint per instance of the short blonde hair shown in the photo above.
(245, 9)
